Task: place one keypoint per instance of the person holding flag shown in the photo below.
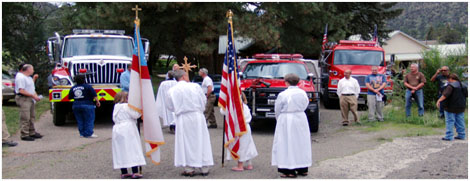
(230, 99)
(192, 141)
(141, 97)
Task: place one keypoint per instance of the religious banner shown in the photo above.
(230, 96)
(141, 98)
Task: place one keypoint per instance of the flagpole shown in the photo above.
(137, 23)
(223, 144)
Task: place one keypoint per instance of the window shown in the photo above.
(98, 46)
(358, 57)
(274, 70)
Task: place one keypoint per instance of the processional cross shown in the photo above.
(187, 66)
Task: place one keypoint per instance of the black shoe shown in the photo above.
(36, 136)
(172, 128)
(27, 138)
(9, 143)
(457, 138)
(446, 139)
(212, 126)
(205, 174)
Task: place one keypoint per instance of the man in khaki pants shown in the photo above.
(25, 99)
(208, 89)
(348, 92)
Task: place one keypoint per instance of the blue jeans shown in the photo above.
(457, 120)
(418, 95)
(85, 116)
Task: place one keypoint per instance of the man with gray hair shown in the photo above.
(208, 89)
(414, 82)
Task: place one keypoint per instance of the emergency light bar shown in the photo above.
(278, 56)
(358, 43)
(84, 31)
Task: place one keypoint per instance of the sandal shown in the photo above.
(288, 176)
(303, 174)
(127, 175)
(136, 176)
(249, 167)
(237, 169)
(188, 174)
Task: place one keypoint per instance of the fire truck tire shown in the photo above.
(329, 103)
(313, 121)
(58, 115)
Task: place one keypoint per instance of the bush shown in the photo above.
(432, 61)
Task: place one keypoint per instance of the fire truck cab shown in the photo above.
(102, 55)
(359, 57)
(262, 79)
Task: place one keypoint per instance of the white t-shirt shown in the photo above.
(206, 83)
(24, 82)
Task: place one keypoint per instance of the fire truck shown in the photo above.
(101, 55)
(262, 79)
(359, 57)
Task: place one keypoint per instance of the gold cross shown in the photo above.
(136, 9)
(187, 66)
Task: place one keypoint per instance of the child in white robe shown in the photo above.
(247, 149)
(126, 144)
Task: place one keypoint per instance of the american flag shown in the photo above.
(325, 38)
(376, 37)
(230, 98)
(140, 90)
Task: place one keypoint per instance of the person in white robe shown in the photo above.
(167, 116)
(192, 141)
(292, 152)
(247, 150)
(126, 144)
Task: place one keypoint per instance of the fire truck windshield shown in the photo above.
(98, 46)
(358, 57)
(274, 70)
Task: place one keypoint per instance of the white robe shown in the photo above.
(166, 115)
(126, 144)
(247, 150)
(291, 145)
(192, 140)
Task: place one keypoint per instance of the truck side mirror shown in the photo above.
(311, 76)
(50, 51)
(240, 74)
(147, 50)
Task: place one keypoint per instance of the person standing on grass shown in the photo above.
(25, 98)
(247, 149)
(83, 106)
(6, 134)
(126, 144)
(414, 82)
(375, 84)
(441, 76)
(348, 92)
(292, 151)
(453, 100)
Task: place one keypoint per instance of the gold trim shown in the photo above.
(135, 108)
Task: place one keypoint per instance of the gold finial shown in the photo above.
(136, 9)
(229, 14)
(187, 66)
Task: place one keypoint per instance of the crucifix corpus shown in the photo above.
(187, 66)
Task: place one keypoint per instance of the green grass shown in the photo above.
(12, 114)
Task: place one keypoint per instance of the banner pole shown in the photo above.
(223, 144)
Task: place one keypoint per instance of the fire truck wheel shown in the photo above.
(58, 114)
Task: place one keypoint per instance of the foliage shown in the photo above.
(443, 21)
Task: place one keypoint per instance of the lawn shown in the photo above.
(12, 115)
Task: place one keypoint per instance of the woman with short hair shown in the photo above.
(83, 106)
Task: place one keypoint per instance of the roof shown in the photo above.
(405, 57)
(397, 32)
(450, 49)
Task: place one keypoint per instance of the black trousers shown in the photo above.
(134, 170)
(293, 171)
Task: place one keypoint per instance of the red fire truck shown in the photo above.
(359, 57)
(262, 79)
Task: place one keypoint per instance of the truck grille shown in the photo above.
(102, 74)
(361, 79)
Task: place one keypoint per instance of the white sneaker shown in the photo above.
(93, 136)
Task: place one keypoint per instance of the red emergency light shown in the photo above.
(82, 71)
(278, 56)
(357, 43)
(120, 70)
